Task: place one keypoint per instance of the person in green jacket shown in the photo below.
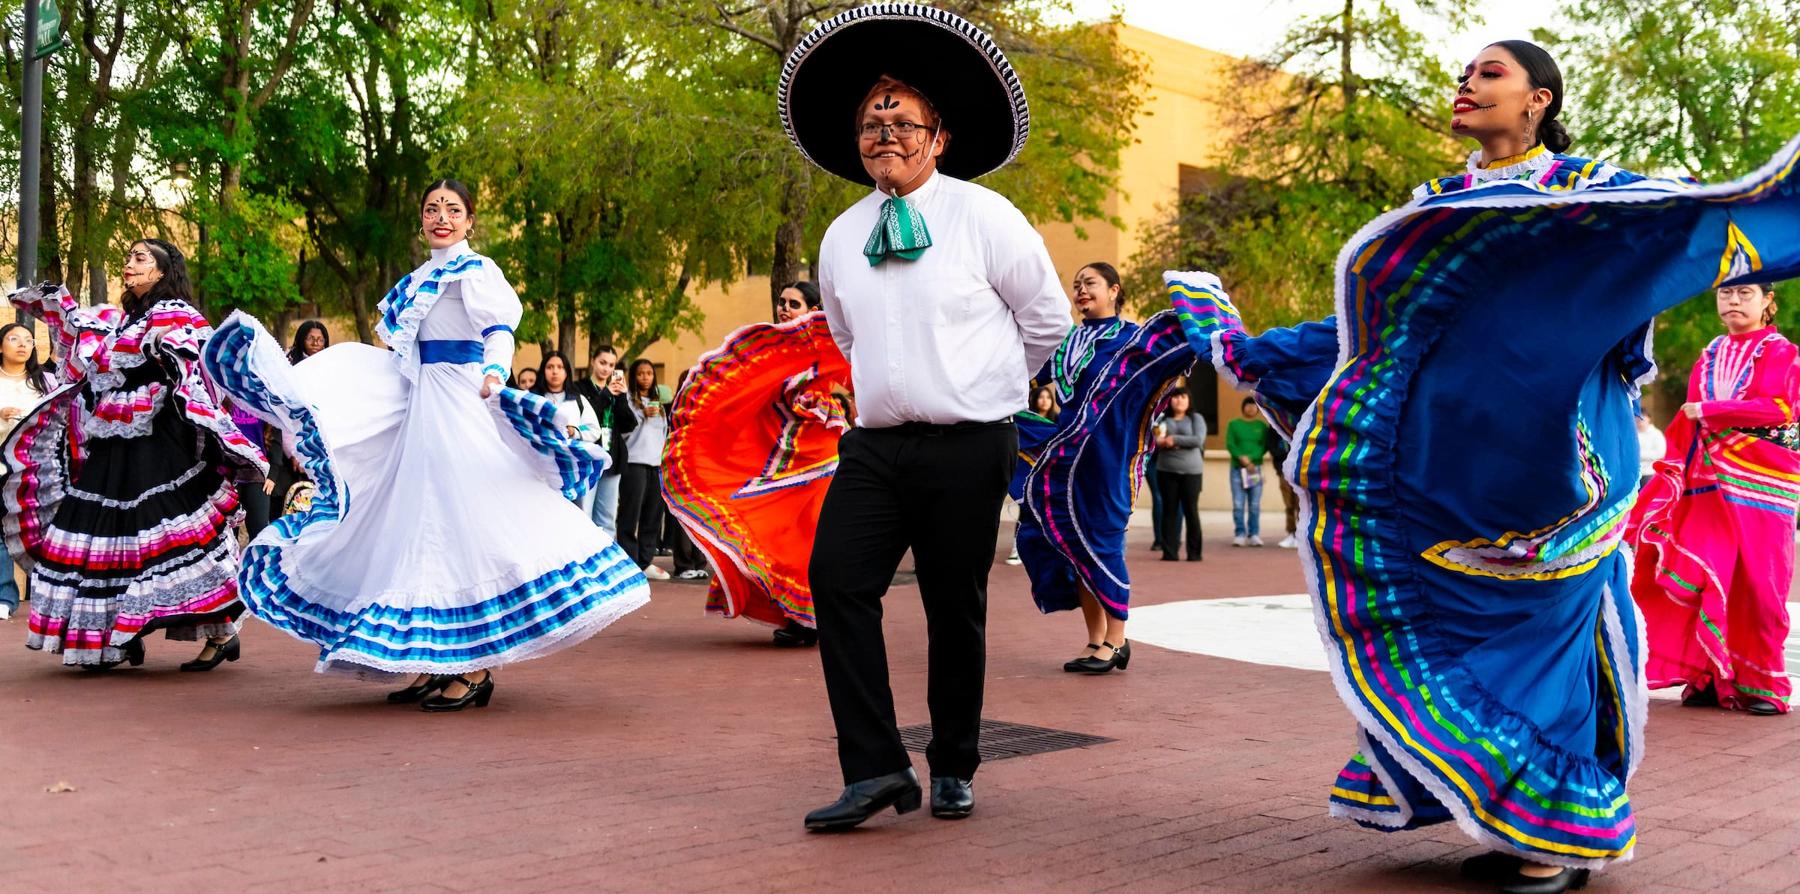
(1244, 441)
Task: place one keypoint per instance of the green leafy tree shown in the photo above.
(1335, 126)
(1707, 89)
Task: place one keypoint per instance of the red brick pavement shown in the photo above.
(676, 752)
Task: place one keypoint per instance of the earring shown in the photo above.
(1529, 129)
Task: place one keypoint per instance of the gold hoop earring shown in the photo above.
(1529, 129)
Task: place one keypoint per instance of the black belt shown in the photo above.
(1783, 435)
(934, 429)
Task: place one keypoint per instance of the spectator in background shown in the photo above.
(1180, 443)
(23, 384)
(797, 299)
(604, 388)
(1244, 440)
(1278, 453)
(255, 496)
(640, 491)
(1043, 402)
(581, 420)
(1651, 446)
(525, 379)
(309, 339)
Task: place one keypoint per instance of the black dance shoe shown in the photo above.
(796, 635)
(1566, 880)
(1492, 866)
(1701, 698)
(952, 798)
(134, 651)
(1073, 665)
(221, 652)
(478, 693)
(1121, 656)
(864, 799)
(1761, 707)
(414, 693)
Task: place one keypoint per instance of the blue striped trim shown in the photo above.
(226, 358)
(495, 370)
(1754, 504)
(449, 351)
(533, 416)
(497, 327)
(404, 294)
(422, 633)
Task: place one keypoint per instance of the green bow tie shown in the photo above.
(899, 232)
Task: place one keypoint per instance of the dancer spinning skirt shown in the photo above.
(441, 538)
(753, 444)
(1714, 525)
(1465, 469)
(1111, 377)
(121, 487)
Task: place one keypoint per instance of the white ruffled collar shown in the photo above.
(1531, 162)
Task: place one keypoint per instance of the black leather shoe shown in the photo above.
(1566, 880)
(864, 799)
(478, 694)
(952, 798)
(414, 693)
(1701, 698)
(1094, 664)
(1170, 557)
(134, 651)
(1760, 706)
(221, 652)
(1073, 665)
(1492, 866)
(796, 635)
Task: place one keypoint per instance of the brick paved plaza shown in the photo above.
(677, 752)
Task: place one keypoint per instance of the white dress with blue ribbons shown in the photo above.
(441, 538)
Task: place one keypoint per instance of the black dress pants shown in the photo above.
(937, 490)
(1180, 500)
(640, 512)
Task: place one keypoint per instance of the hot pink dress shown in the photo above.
(1714, 526)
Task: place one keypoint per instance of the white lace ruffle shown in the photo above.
(1535, 161)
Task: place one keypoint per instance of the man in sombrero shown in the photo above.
(944, 300)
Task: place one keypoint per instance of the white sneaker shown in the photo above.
(1237, 541)
(1256, 541)
(692, 574)
(1012, 558)
(5, 612)
(655, 573)
(1289, 542)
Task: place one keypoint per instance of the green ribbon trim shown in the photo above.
(899, 233)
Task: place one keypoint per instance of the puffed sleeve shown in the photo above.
(495, 310)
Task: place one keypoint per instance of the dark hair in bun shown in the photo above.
(1540, 68)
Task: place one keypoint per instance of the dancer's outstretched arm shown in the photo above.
(1286, 367)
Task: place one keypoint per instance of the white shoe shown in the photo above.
(692, 574)
(655, 573)
(5, 612)
(1256, 541)
(1237, 541)
(1289, 542)
(1012, 558)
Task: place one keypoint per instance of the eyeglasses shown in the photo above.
(900, 130)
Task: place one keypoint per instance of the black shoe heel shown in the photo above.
(908, 802)
(134, 652)
(1122, 655)
(478, 694)
(222, 652)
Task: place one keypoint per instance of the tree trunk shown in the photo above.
(50, 262)
(785, 267)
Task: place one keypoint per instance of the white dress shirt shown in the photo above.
(953, 336)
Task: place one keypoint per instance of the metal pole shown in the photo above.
(31, 123)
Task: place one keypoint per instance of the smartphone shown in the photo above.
(617, 377)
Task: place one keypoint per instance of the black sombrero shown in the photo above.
(955, 64)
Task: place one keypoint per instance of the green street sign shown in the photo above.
(49, 35)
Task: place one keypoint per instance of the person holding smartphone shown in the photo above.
(605, 390)
(640, 491)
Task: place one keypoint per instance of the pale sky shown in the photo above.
(1252, 27)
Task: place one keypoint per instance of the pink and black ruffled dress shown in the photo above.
(120, 488)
